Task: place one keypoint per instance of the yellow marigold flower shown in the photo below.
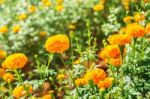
(96, 75)
(71, 26)
(59, 1)
(59, 7)
(135, 30)
(57, 43)
(127, 19)
(148, 28)
(98, 7)
(61, 76)
(8, 77)
(3, 29)
(2, 72)
(3, 54)
(15, 61)
(80, 81)
(32, 9)
(47, 96)
(110, 51)
(21, 91)
(16, 28)
(43, 33)
(114, 61)
(47, 3)
(120, 39)
(139, 17)
(105, 83)
(22, 16)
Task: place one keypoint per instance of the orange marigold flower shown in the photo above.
(47, 96)
(114, 61)
(110, 51)
(95, 75)
(57, 43)
(98, 7)
(127, 19)
(2, 72)
(120, 39)
(135, 30)
(15, 61)
(8, 77)
(80, 81)
(21, 91)
(3, 29)
(105, 83)
(16, 28)
(3, 54)
(148, 28)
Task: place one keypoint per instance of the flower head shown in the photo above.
(8, 77)
(3, 54)
(3, 29)
(22, 16)
(120, 39)
(148, 28)
(57, 43)
(15, 61)
(127, 19)
(110, 51)
(98, 7)
(32, 9)
(59, 7)
(80, 81)
(21, 91)
(106, 83)
(139, 17)
(135, 30)
(16, 28)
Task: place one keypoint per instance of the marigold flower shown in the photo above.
(80, 81)
(139, 17)
(32, 9)
(135, 30)
(22, 91)
(16, 28)
(22, 16)
(98, 7)
(57, 43)
(61, 76)
(2, 72)
(3, 29)
(127, 19)
(105, 83)
(110, 51)
(3, 54)
(120, 39)
(15, 61)
(59, 7)
(148, 28)
(8, 77)
(95, 75)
